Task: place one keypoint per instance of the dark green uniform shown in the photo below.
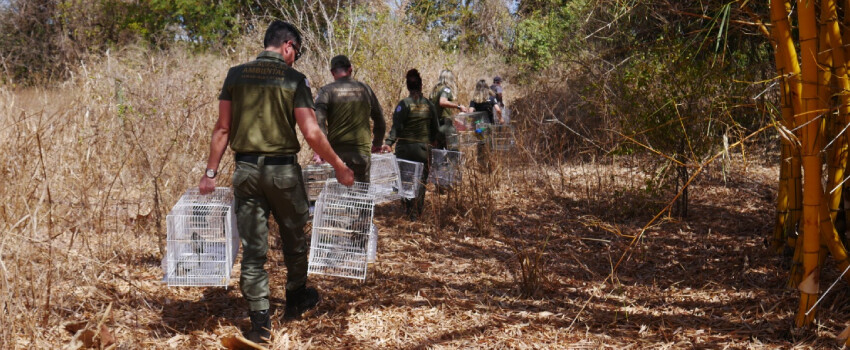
(447, 137)
(263, 95)
(343, 109)
(415, 126)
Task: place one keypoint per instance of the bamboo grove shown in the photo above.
(815, 97)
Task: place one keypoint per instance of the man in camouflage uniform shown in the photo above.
(343, 109)
(259, 106)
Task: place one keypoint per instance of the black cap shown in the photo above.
(497, 79)
(340, 61)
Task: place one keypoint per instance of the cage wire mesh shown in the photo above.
(201, 240)
(445, 167)
(410, 175)
(469, 121)
(341, 236)
(384, 177)
(502, 137)
(372, 253)
(315, 176)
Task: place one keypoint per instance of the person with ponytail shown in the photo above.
(414, 130)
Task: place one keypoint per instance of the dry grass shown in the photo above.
(92, 166)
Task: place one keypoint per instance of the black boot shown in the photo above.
(261, 326)
(300, 300)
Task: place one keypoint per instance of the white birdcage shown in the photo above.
(372, 253)
(202, 240)
(384, 177)
(468, 138)
(410, 175)
(342, 225)
(468, 121)
(502, 137)
(315, 176)
(445, 167)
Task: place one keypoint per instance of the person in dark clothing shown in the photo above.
(260, 104)
(497, 89)
(484, 100)
(414, 130)
(343, 110)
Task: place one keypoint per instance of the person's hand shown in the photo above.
(317, 159)
(206, 185)
(377, 149)
(462, 108)
(501, 121)
(344, 175)
(386, 148)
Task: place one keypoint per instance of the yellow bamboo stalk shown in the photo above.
(812, 189)
(780, 231)
(796, 275)
(779, 10)
(838, 154)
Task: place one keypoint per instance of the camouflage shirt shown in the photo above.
(414, 121)
(343, 110)
(443, 91)
(264, 94)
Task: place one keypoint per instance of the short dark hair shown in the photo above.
(340, 62)
(414, 80)
(280, 32)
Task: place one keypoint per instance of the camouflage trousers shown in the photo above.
(261, 190)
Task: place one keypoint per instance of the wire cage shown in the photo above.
(468, 121)
(342, 226)
(445, 167)
(372, 252)
(384, 177)
(502, 137)
(201, 240)
(410, 175)
(315, 176)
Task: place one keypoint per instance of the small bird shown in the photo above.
(197, 244)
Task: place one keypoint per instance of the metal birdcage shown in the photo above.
(502, 137)
(372, 252)
(202, 240)
(410, 175)
(384, 177)
(469, 121)
(342, 231)
(446, 167)
(315, 176)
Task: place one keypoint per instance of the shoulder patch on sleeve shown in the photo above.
(306, 82)
(398, 109)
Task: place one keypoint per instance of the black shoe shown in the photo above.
(300, 300)
(261, 326)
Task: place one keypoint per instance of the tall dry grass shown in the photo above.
(92, 165)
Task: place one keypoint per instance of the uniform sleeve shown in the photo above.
(303, 96)
(321, 106)
(379, 128)
(447, 93)
(226, 93)
(434, 125)
(400, 115)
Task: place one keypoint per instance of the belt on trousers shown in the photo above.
(269, 160)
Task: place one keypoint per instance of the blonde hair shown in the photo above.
(482, 92)
(447, 79)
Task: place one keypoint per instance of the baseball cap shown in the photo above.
(340, 61)
(497, 79)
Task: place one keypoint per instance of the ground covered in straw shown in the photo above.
(442, 282)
